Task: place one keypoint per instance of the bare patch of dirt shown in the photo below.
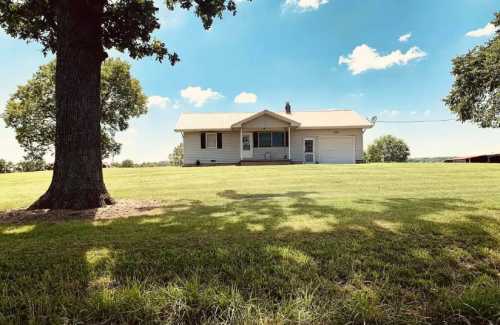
(121, 209)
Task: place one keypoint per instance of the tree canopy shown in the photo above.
(387, 149)
(31, 110)
(475, 94)
(127, 25)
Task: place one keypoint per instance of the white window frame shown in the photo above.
(206, 140)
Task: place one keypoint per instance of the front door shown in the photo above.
(309, 156)
(247, 145)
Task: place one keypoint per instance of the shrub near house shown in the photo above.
(176, 158)
(387, 149)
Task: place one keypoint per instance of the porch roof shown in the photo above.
(302, 120)
(277, 116)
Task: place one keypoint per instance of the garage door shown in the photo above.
(336, 149)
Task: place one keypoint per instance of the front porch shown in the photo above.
(265, 145)
(248, 162)
(265, 137)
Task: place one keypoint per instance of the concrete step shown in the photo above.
(264, 162)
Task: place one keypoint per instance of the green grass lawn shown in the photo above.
(381, 244)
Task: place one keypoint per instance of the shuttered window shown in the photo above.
(203, 140)
(210, 140)
(256, 139)
(219, 140)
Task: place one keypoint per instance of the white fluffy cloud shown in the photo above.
(159, 102)
(404, 38)
(487, 30)
(305, 5)
(245, 98)
(198, 96)
(365, 58)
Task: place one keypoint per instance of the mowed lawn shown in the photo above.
(375, 244)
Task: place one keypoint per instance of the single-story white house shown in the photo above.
(328, 136)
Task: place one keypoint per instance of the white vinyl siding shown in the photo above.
(228, 154)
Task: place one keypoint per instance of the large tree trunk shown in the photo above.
(77, 180)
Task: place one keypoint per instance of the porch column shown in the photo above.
(289, 145)
(241, 143)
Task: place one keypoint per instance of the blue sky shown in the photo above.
(389, 58)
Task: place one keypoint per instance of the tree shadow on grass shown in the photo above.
(233, 195)
(271, 257)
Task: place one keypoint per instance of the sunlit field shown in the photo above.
(381, 244)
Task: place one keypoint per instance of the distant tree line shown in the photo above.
(176, 158)
(41, 165)
(129, 163)
(24, 166)
(429, 159)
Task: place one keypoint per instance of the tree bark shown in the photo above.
(77, 180)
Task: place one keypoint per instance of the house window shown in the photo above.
(211, 140)
(278, 139)
(265, 139)
(271, 139)
(308, 146)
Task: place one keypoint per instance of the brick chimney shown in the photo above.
(288, 108)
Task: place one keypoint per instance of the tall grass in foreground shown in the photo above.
(375, 244)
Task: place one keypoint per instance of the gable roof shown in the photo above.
(302, 120)
(269, 113)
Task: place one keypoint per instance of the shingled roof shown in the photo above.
(302, 120)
